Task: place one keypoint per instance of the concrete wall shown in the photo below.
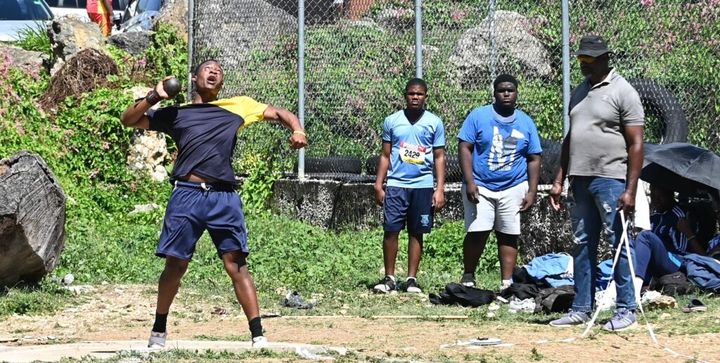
(339, 205)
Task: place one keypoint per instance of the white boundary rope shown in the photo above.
(624, 242)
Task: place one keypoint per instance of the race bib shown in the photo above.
(411, 153)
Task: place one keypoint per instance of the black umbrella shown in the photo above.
(681, 167)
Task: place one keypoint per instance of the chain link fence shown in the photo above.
(360, 53)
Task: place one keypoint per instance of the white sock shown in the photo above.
(506, 283)
(392, 277)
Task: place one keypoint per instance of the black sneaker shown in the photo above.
(386, 285)
(412, 286)
(468, 279)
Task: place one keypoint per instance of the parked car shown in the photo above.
(17, 15)
(139, 15)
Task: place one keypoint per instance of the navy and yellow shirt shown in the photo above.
(206, 134)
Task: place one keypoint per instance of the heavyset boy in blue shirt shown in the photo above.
(501, 146)
(499, 150)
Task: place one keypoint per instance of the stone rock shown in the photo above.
(69, 35)
(32, 219)
(25, 59)
(133, 42)
(228, 30)
(147, 154)
(175, 13)
(515, 49)
(316, 11)
(148, 149)
(144, 208)
(396, 19)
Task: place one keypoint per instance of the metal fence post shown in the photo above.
(566, 65)
(301, 82)
(418, 39)
(190, 20)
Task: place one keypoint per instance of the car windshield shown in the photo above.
(148, 5)
(24, 10)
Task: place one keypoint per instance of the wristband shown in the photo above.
(299, 132)
(152, 97)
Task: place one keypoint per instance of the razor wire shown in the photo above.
(360, 53)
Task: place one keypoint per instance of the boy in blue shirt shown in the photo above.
(413, 144)
(499, 156)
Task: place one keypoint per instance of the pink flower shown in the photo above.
(647, 3)
(458, 15)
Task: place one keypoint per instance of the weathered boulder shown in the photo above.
(316, 11)
(32, 219)
(25, 59)
(396, 19)
(514, 48)
(148, 150)
(227, 30)
(69, 36)
(175, 13)
(147, 154)
(132, 42)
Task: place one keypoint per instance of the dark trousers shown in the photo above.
(652, 258)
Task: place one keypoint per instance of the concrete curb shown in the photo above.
(108, 349)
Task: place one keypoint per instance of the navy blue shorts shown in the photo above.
(191, 210)
(411, 205)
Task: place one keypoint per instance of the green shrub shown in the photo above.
(35, 38)
(167, 54)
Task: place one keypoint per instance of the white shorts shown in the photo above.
(499, 211)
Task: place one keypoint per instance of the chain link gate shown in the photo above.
(360, 53)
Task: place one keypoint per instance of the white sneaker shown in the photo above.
(259, 342)
(157, 340)
(412, 286)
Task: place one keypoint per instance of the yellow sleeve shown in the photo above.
(250, 110)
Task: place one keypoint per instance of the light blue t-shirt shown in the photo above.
(501, 146)
(412, 158)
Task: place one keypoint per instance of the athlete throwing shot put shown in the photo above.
(204, 197)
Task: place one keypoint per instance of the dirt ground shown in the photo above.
(109, 313)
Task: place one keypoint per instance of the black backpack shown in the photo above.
(675, 283)
(463, 295)
(555, 299)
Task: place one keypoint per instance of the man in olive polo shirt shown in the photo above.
(602, 156)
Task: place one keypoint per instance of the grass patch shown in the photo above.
(43, 299)
(232, 338)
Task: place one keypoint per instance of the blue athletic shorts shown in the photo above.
(411, 205)
(192, 209)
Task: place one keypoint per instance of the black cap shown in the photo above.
(593, 46)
